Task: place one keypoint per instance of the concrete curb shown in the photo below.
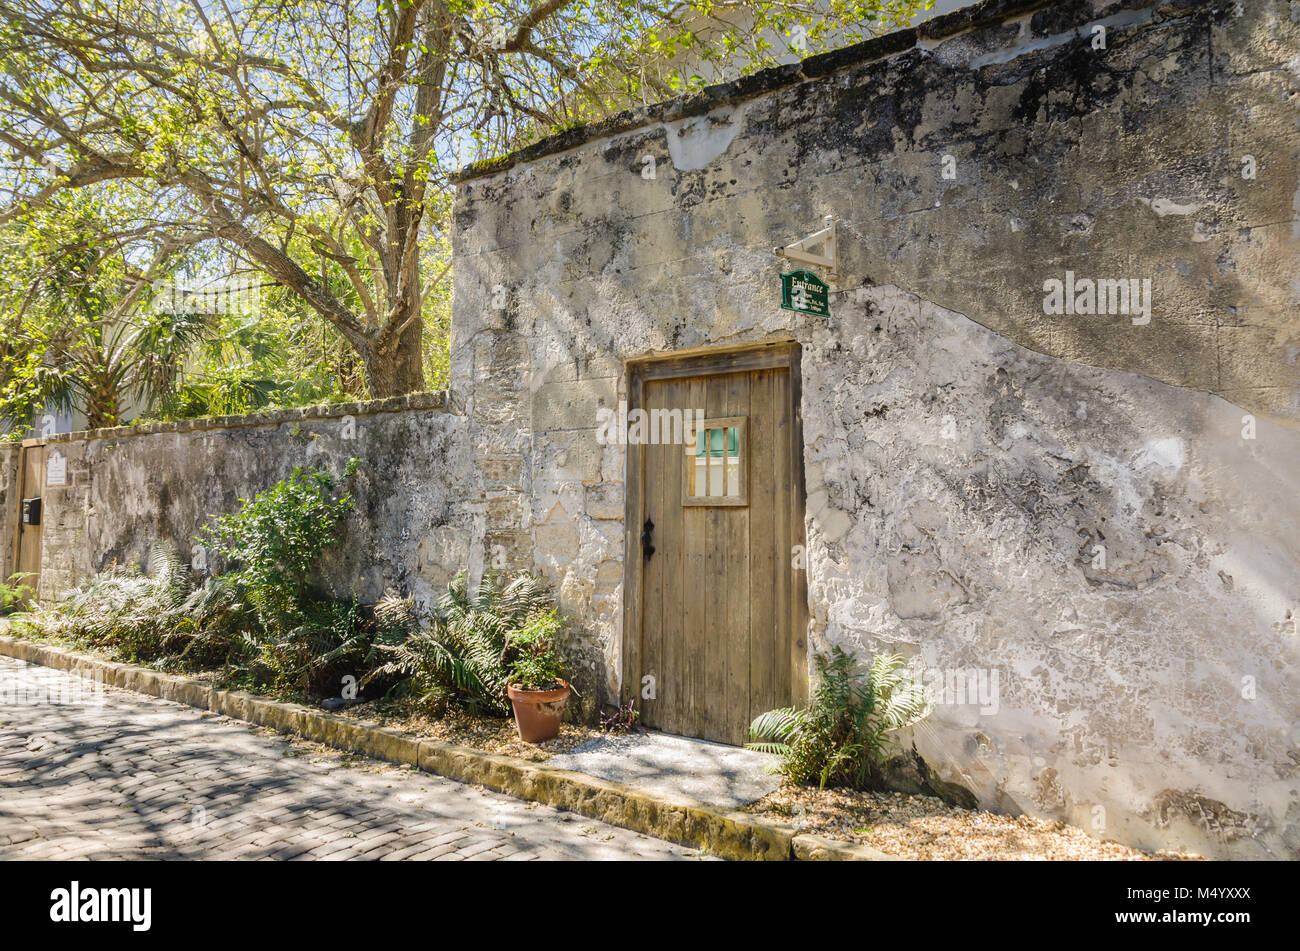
(816, 848)
(722, 832)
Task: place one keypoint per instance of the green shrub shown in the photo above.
(214, 625)
(844, 734)
(335, 640)
(116, 611)
(534, 663)
(13, 592)
(276, 539)
(257, 621)
(464, 655)
(261, 624)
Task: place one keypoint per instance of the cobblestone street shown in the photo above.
(138, 777)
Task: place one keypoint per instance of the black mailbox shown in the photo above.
(32, 511)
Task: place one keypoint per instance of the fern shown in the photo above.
(845, 732)
(463, 655)
(160, 616)
(14, 592)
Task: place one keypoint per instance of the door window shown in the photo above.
(714, 471)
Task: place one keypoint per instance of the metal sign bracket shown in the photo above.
(801, 251)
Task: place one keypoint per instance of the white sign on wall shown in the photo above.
(56, 469)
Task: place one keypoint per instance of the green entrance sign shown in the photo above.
(806, 293)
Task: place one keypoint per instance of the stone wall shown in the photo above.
(1097, 511)
(417, 518)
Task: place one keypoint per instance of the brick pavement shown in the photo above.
(135, 777)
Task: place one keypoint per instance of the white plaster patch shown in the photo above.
(1127, 18)
(1164, 454)
(695, 142)
(1167, 206)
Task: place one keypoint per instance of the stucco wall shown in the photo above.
(417, 518)
(968, 457)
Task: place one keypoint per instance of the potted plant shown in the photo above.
(537, 691)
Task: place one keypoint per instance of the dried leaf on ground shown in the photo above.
(926, 828)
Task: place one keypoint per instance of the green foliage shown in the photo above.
(467, 652)
(13, 592)
(276, 539)
(75, 335)
(844, 733)
(259, 621)
(276, 357)
(163, 615)
(534, 663)
(85, 328)
(313, 140)
(333, 640)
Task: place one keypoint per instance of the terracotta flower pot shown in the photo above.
(537, 712)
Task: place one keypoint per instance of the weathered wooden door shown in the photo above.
(31, 485)
(718, 515)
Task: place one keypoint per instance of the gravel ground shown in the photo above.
(490, 734)
(925, 828)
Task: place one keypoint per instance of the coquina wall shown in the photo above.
(1092, 517)
(417, 519)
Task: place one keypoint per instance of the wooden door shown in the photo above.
(27, 544)
(721, 599)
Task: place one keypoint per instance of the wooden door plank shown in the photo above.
(633, 598)
(710, 585)
(782, 482)
(765, 633)
(16, 543)
(29, 544)
(671, 679)
(735, 582)
(653, 571)
(693, 597)
(711, 361)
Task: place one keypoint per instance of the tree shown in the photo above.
(80, 329)
(314, 136)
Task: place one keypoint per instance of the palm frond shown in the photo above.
(845, 732)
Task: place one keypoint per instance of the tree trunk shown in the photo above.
(103, 407)
(400, 371)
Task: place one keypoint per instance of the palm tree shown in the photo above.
(84, 337)
(102, 364)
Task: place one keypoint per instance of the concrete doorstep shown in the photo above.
(723, 832)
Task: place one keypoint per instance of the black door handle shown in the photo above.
(647, 549)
